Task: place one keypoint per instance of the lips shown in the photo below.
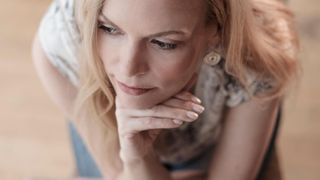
(133, 90)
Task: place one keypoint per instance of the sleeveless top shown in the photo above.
(59, 36)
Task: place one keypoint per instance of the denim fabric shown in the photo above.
(86, 166)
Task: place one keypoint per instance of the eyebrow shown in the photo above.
(164, 33)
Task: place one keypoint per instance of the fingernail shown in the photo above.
(176, 121)
(196, 99)
(192, 115)
(198, 108)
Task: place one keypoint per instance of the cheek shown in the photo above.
(180, 70)
(103, 49)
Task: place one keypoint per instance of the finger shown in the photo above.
(162, 111)
(147, 123)
(187, 105)
(187, 96)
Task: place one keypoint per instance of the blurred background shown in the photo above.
(33, 134)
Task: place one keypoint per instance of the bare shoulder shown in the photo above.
(58, 87)
(255, 108)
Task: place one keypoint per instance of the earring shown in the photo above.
(212, 58)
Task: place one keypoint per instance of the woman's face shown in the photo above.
(156, 44)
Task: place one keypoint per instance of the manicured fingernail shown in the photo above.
(192, 115)
(198, 108)
(176, 121)
(196, 99)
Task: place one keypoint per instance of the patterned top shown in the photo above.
(59, 38)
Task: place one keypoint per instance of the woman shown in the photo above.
(168, 89)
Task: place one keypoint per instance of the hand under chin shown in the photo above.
(149, 102)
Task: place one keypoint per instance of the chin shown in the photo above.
(136, 103)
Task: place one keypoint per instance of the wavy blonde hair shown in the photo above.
(255, 35)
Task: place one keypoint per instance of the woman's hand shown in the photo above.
(138, 128)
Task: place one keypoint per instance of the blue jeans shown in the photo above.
(86, 166)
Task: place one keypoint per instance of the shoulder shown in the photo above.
(60, 90)
(238, 93)
(59, 37)
(216, 81)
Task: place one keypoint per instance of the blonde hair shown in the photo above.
(255, 35)
(95, 99)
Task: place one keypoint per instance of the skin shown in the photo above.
(137, 60)
(246, 130)
(140, 54)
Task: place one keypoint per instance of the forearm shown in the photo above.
(145, 169)
(63, 94)
(244, 141)
(230, 164)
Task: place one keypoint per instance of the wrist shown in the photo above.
(145, 168)
(134, 161)
(128, 160)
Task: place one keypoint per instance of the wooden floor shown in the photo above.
(33, 134)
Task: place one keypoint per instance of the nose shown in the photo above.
(132, 60)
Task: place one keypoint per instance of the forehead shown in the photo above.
(153, 15)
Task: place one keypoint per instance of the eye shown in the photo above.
(163, 45)
(108, 29)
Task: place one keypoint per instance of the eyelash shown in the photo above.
(107, 29)
(162, 45)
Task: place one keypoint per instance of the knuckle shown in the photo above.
(186, 94)
(148, 121)
(166, 123)
(187, 104)
(189, 96)
(159, 122)
(156, 109)
(168, 101)
(182, 115)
